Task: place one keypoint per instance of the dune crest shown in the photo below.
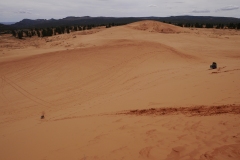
(158, 27)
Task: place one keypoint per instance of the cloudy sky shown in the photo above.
(16, 10)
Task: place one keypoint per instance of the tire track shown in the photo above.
(4, 97)
(26, 93)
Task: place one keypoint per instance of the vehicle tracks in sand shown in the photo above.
(25, 93)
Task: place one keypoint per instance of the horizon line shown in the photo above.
(116, 17)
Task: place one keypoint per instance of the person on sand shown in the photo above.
(214, 65)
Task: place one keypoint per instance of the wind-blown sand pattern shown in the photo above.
(140, 91)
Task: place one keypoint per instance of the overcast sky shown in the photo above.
(16, 10)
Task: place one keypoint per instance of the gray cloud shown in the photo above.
(152, 5)
(200, 11)
(14, 10)
(27, 11)
(229, 8)
(179, 2)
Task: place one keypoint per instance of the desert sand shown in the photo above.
(139, 91)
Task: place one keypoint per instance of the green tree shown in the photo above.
(197, 25)
(13, 33)
(89, 27)
(63, 30)
(75, 28)
(20, 34)
(68, 31)
(32, 32)
(49, 32)
(38, 33)
(223, 26)
(208, 25)
(58, 30)
(231, 26)
(180, 24)
(238, 26)
(26, 33)
(44, 33)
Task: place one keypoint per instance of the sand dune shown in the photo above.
(153, 26)
(128, 92)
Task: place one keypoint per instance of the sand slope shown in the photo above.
(121, 93)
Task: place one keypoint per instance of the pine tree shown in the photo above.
(75, 28)
(231, 26)
(49, 32)
(20, 34)
(223, 26)
(38, 33)
(238, 26)
(13, 33)
(26, 33)
(68, 31)
(180, 24)
(44, 33)
(197, 25)
(89, 27)
(63, 30)
(208, 25)
(32, 32)
(58, 30)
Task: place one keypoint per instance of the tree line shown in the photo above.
(51, 31)
(46, 32)
(210, 25)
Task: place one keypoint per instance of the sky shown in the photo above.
(16, 10)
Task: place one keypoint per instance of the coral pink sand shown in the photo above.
(140, 91)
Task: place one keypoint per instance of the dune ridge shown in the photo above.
(190, 111)
(157, 27)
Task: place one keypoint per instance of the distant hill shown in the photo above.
(7, 23)
(4, 27)
(43, 23)
(200, 19)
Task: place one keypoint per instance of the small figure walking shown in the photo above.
(42, 116)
